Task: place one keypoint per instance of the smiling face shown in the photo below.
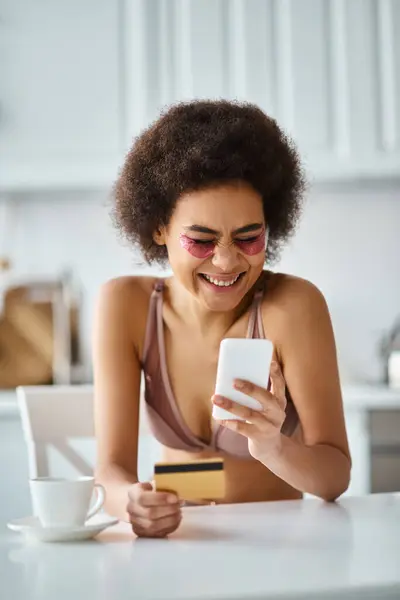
(216, 243)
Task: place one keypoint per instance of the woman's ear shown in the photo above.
(159, 236)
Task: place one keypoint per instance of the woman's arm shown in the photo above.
(117, 390)
(320, 463)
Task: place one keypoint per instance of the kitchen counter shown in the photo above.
(370, 397)
(302, 549)
(8, 403)
(355, 397)
(359, 401)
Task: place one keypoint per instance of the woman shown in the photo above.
(214, 188)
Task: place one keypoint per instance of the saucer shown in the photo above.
(31, 528)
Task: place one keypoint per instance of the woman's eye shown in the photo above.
(248, 240)
(202, 242)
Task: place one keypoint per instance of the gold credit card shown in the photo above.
(196, 480)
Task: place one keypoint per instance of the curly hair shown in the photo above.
(199, 144)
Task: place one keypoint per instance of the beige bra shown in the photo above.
(164, 416)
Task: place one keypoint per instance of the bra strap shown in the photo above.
(159, 286)
(255, 313)
(151, 326)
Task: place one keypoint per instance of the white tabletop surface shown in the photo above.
(281, 550)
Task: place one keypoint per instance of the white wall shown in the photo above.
(348, 244)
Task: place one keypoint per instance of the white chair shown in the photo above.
(57, 423)
(58, 428)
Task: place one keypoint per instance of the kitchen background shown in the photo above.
(81, 78)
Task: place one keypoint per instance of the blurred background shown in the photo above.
(80, 79)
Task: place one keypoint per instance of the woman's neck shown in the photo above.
(197, 316)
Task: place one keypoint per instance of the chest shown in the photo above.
(192, 361)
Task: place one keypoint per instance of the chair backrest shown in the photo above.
(57, 423)
(58, 427)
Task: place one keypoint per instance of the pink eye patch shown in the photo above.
(197, 248)
(253, 245)
(204, 248)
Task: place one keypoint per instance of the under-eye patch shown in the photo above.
(197, 248)
(205, 248)
(253, 245)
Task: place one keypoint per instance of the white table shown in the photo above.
(281, 550)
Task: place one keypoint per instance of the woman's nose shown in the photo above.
(225, 257)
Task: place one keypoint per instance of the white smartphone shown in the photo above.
(244, 358)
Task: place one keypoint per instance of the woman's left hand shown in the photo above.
(261, 427)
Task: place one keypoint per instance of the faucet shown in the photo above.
(389, 343)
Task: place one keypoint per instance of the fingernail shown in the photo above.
(274, 366)
(239, 384)
(218, 400)
(172, 499)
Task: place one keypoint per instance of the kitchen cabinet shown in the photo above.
(14, 476)
(385, 451)
(80, 79)
(372, 415)
(61, 94)
(359, 443)
(328, 70)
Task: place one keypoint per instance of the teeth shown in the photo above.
(221, 283)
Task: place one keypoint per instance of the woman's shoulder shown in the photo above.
(291, 296)
(123, 305)
(126, 298)
(128, 287)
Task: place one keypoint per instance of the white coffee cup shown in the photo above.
(65, 502)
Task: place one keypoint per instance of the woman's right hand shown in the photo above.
(151, 513)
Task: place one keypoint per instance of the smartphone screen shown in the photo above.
(243, 358)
